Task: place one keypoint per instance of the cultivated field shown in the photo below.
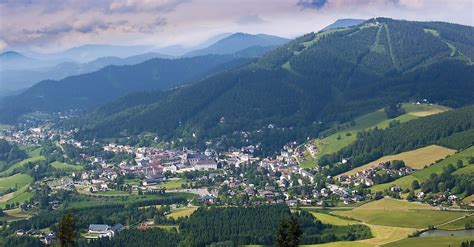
(416, 159)
(397, 213)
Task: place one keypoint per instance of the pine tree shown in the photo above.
(66, 230)
(282, 237)
(294, 232)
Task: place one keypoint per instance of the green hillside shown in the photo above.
(93, 89)
(312, 81)
(336, 138)
(373, 144)
(424, 174)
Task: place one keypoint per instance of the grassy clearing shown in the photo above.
(333, 220)
(172, 184)
(10, 170)
(168, 227)
(341, 244)
(66, 167)
(429, 242)
(459, 224)
(19, 196)
(386, 234)
(397, 213)
(15, 181)
(416, 159)
(468, 199)
(346, 136)
(13, 215)
(424, 174)
(134, 181)
(182, 212)
(424, 110)
(465, 170)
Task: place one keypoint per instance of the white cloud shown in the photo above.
(60, 24)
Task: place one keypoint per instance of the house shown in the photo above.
(153, 180)
(207, 199)
(205, 164)
(117, 228)
(100, 231)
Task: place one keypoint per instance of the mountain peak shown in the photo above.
(12, 54)
(238, 42)
(342, 23)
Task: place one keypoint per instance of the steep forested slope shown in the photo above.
(318, 78)
(93, 89)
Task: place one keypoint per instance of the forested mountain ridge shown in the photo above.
(96, 88)
(320, 77)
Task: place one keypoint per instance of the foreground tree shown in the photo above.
(289, 233)
(66, 230)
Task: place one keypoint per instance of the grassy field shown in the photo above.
(333, 220)
(424, 174)
(344, 137)
(66, 167)
(416, 159)
(19, 196)
(382, 235)
(15, 181)
(134, 181)
(459, 224)
(14, 214)
(469, 168)
(397, 213)
(429, 242)
(468, 199)
(93, 201)
(172, 184)
(20, 164)
(182, 212)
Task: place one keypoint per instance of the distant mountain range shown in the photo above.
(342, 23)
(92, 89)
(18, 72)
(15, 79)
(319, 78)
(239, 42)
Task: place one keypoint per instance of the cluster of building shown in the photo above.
(366, 176)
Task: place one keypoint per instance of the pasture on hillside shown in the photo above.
(342, 138)
(397, 213)
(66, 167)
(416, 159)
(15, 181)
(424, 174)
(10, 170)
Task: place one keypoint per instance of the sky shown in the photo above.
(55, 25)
